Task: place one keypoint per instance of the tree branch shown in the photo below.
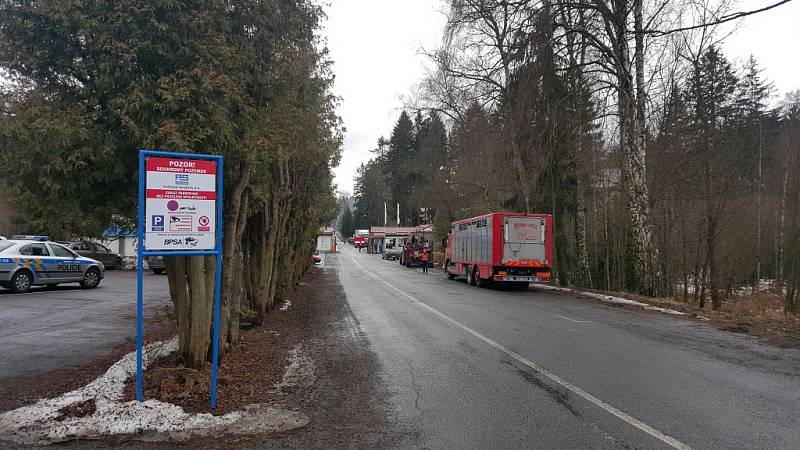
(721, 20)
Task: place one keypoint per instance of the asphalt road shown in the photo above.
(48, 329)
(482, 368)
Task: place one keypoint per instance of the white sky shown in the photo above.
(376, 44)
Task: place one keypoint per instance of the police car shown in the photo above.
(27, 261)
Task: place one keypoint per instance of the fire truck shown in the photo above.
(359, 241)
(418, 240)
(505, 248)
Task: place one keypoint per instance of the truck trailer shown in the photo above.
(505, 248)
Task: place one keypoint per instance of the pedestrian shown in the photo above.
(424, 257)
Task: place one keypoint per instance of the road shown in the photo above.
(49, 329)
(482, 368)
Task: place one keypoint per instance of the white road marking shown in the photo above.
(571, 320)
(669, 440)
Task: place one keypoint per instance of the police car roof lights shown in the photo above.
(29, 237)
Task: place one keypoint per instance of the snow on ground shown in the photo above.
(615, 300)
(42, 423)
(299, 373)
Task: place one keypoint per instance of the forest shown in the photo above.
(671, 170)
(90, 83)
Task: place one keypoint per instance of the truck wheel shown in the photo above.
(476, 278)
(450, 275)
(481, 282)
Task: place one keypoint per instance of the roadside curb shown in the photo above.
(618, 301)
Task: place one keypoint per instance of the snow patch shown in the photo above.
(299, 373)
(38, 424)
(616, 300)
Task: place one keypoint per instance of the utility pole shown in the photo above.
(398, 214)
(385, 217)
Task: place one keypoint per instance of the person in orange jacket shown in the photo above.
(425, 257)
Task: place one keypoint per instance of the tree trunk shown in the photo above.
(278, 253)
(235, 219)
(781, 223)
(580, 235)
(684, 259)
(176, 277)
(759, 233)
(703, 285)
(191, 280)
(631, 109)
(266, 259)
(711, 238)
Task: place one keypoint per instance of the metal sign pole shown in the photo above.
(217, 287)
(139, 279)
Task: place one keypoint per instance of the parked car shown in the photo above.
(96, 251)
(393, 247)
(26, 263)
(156, 264)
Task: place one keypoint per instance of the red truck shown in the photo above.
(420, 239)
(507, 248)
(360, 241)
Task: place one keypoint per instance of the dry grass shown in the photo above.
(762, 304)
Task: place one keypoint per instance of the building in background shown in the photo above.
(326, 240)
(120, 240)
(380, 237)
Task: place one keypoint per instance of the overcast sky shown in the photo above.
(375, 46)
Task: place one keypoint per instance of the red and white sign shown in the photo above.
(180, 208)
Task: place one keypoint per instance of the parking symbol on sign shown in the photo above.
(158, 223)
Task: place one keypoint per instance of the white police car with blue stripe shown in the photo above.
(36, 262)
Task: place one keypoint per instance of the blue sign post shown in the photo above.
(180, 195)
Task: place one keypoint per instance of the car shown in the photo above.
(97, 252)
(156, 264)
(393, 247)
(27, 263)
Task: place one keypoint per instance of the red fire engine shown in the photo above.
(360, 241)
(510, 248)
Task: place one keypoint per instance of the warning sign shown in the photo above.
(180, 207)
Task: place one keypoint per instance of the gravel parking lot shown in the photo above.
(66, 326)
